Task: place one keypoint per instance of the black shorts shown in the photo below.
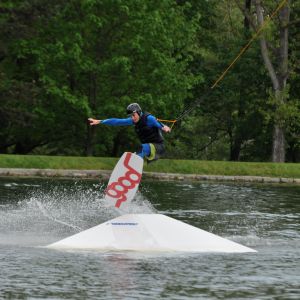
(159, 149)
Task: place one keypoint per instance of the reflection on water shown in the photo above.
(38, 212)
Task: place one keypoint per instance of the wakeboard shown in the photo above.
(124, 180)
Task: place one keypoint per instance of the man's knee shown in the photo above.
(152, 153)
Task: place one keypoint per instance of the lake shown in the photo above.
(37, 212)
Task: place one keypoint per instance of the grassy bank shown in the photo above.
(163, 165)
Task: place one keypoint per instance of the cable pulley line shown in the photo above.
(194, 104)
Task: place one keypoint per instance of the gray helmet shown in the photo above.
(134, 107)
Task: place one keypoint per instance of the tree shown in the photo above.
(39, 105)
(74, 59)
(274, 51)
(144, 55)
(231, 109)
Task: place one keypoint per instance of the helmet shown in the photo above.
(134, 107)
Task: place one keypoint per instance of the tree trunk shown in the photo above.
(238, 139)
(235, 150)
(247, 9)
(278, 151)
(278, 76)
(89, 147)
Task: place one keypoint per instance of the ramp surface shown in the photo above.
(149, 232)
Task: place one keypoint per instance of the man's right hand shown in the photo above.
(166, 128)
(94, 121)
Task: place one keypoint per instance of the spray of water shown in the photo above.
(45, 215)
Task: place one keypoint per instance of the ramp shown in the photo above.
(148, 232)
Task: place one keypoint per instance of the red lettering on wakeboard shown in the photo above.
(124, 183)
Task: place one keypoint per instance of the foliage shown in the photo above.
(62, 62)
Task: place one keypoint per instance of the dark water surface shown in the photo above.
(36, 212)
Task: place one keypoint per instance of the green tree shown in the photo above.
(274, 44)
(228, 114)
(78, 58)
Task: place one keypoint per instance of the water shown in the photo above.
(36, 212)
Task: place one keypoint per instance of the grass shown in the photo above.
(56, 162)
(287, 170)
(227, 168)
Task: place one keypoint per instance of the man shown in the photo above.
(147, 128)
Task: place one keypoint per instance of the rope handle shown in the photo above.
(168, 121)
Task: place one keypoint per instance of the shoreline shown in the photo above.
(105, 174)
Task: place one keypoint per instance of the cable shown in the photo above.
(193, 105)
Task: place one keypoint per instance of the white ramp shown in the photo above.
(148, 232)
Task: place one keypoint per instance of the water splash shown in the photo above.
(46, 214)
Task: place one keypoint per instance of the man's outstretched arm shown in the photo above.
(112, 122)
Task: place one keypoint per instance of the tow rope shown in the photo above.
(194, 104)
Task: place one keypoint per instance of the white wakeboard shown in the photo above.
(124, 180)
(148, 232)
